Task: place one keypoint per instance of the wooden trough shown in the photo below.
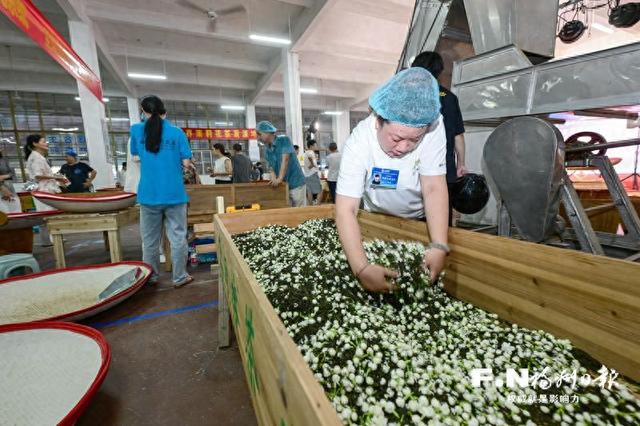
(202, 198)
(593, 301)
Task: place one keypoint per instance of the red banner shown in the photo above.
(29, 19)
(220, 134)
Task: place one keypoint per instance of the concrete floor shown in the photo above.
(165, 366)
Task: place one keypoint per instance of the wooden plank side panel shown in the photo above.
(282, 386)
(262, 193)
(604, 272)
(613, 311)
(611, 350)
(202, 198)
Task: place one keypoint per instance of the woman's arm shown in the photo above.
(228, 167)
(436, 205)
(284, 165)
(461, 169)
(44, 177)
(372, 277)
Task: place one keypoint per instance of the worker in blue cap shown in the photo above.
(283, 163)
(81, 175)
(394, 162)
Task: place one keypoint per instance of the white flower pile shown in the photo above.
(405, 358)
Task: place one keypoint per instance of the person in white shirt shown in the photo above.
(222, 168)
(394, 162)
(310, 170)
(39, 170)
(333, 163)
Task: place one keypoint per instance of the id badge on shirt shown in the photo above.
(384, 178)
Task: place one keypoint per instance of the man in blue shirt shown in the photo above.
(283, 161)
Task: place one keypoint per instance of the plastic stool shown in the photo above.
(12, 265)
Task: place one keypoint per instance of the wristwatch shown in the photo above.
(440, 246)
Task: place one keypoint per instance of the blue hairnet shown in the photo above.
(71, 153)
(410, 98)
(266, 127)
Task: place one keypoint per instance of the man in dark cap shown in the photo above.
(80, 174)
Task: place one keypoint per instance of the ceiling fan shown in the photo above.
(212, 14)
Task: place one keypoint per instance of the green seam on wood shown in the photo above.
(234, 301)
(251, 362)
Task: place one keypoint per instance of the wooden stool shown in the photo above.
(107, 223)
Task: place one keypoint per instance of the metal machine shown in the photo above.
(526, 159)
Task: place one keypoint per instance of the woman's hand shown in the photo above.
(5, 177)
(276, 182)
(5, 193)
(62, 180)
(374, 278)
(434, 261)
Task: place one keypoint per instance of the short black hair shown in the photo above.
(237, 147)
(311, 143)
(431, 61)
(333, 146)
(296, 147)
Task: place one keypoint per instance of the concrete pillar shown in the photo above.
(341, 128)
(292, 100)
(134, 110)
(133, 167)
(93, 116)
(250, 123)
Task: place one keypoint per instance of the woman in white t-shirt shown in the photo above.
(310, 170)
(394, 162)
(39, 170)
(222, 168)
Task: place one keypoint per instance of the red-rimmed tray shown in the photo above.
(69, 294)
(88, 202)
(27, 220)
(50, 371)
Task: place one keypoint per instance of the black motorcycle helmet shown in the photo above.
(571, 31)
(625, 16)
(470, 193)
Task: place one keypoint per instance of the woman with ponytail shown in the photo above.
(163, 149)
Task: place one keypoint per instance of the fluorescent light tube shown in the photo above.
(77, 98)
(144, 76)
(269, 39)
